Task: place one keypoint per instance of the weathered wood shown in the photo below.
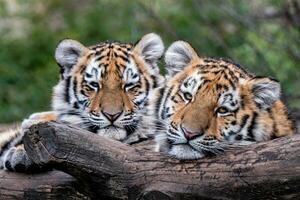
(107, 168)
(49, 185)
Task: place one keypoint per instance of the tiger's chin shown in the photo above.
(185, 152)
(113, 132)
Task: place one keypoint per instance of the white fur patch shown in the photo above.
(94, 70)
(266, 92)
(131, 74)
(178, 55)
(185, 152)
(230, 100)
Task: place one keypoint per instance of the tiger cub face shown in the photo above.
(209, 103)
(104, 88)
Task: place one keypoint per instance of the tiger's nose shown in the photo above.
(189, 135)
(112, 116)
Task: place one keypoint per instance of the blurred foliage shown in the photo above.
(256, 34)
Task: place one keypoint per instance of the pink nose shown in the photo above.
(189, 134)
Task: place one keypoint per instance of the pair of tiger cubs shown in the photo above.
(115, 90)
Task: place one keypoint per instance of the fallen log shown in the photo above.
(109, 169)
(49, 185)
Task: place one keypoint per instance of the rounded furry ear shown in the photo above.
(265, 91)
(150, 47)
(179, 55)
(67, 53)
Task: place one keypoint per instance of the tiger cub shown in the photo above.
(104, 88)
(208, 103)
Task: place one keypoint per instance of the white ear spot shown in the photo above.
(67, 53)
(265, 91)
(150, 47)
(179, 55)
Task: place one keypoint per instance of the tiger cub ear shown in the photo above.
(179, 55)
(67, 53)
(265, 91)
(150, 47)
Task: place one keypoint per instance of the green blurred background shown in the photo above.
(263, 36)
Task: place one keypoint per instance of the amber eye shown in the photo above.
(222, 110)
(133, 89)
(187, 96)
(88, 88)
(94, 84)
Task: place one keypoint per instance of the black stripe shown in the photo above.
(89, 56)
(242, 102)
(124, 58)
(75, 105)
(87, 75)
(75, 88)
(147, 86)
(138, 103)
(5, 147)
(82, 70)
(252, 126)
(115, 54)
(125, 53)
(232, 84)
(61, 71)
(274, 127)
(128, 85)
(93, 128)
(226, 88)
(99, 52)
(164, 103)
(100, 57)
(238, 137)
(154, 81)
(67, 86)
(244, 121)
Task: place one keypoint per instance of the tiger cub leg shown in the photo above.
(13, 156)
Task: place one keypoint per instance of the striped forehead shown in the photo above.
(191, 83)
(108, 56)
(213, 80)
(219, 70)
(127, 71)
(107, 48)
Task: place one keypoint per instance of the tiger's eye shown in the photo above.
(134, 89)
(94, 84)
(187, 96)
(222, 110)
(87, 88)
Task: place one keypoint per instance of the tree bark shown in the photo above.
(49, 185)
(109, 169)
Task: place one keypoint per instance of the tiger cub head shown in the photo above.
(104, 88)
(209, 103)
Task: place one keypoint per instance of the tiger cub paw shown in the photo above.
(37, 118)
(16, 159)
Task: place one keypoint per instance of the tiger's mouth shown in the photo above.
(207, 150)
(118, 132)
(196, 146)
